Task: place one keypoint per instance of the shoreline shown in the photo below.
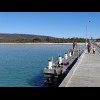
(40, 43)
(98, 42)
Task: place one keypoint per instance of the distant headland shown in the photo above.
(29, 38)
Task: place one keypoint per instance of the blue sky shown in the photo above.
(56, 24)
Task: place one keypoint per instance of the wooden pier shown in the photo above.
(58, 69)
(86, 71)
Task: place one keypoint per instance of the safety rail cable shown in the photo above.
(98, 48)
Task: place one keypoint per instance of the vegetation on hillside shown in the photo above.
(98, 40)
(25, 38)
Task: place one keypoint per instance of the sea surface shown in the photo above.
(21, 65)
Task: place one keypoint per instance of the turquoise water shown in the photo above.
(21, 65)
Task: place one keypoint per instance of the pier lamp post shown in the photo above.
(86, 35)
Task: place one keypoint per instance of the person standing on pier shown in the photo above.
(74, 45)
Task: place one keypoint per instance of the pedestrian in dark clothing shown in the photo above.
(89, 47)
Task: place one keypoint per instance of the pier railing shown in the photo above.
(97, 47)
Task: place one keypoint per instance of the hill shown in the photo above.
(28, 38)
(4, 37)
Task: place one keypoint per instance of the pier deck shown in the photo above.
(85, 73)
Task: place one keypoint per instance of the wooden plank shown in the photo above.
(85, 73)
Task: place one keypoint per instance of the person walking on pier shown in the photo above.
(93, 50)
(88, 47)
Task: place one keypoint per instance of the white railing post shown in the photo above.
(50, 64)
(60, 59)
(65, 56)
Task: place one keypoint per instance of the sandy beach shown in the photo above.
(40, 43)
(98, 42)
